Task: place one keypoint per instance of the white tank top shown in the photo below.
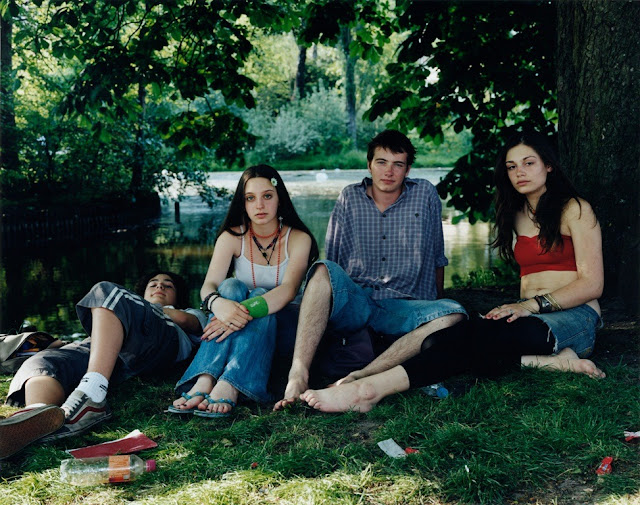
(265, 274)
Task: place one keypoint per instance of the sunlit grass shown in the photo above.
(529, 434)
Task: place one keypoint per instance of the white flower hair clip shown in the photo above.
(274, 182)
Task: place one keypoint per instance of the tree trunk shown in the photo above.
(598, 66)
(301, 73)
(350, 85)
(139, 151)
(8, 134)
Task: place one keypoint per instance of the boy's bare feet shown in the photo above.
(566, 361)
(360, 395)
(292, 393)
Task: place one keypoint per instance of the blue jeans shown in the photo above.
(574, 328)
(243, 359)
(353, 307)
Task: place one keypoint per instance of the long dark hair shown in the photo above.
(508, 201)
(182, 291)
(237, 215)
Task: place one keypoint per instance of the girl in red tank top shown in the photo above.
(554, 329)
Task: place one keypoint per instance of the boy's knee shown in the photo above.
(320, 277)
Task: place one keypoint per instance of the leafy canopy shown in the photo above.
(481, 66)
(178, 49)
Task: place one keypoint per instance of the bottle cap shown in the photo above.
(150, 465)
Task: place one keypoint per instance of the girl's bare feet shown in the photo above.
(222, 390)
(566, 361)
(204, 384)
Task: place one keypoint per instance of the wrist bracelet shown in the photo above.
(257, 306)
(524, 306)
(204, 306)
(554, 304)
(544, 304)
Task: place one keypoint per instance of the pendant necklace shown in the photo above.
(263, 250)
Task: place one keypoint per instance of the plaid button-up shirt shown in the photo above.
(395, 252)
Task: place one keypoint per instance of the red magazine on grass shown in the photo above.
(133, 442)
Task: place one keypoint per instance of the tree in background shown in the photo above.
(473, 65)
(8, 145)
(598, 63)
(124, 53)
(361, 29)
(501, 66)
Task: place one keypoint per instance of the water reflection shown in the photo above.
(42, 284)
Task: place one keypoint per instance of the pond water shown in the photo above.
(42, 284)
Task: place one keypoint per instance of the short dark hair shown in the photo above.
(182, 291)
(393, 141)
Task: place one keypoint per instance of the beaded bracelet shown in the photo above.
(204, 306)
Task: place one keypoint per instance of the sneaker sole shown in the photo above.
(71, 432)
(17, 433)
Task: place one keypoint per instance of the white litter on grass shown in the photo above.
(391, 448)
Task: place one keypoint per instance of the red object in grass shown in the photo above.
(605, 466)
(133, 442)
(411, 450)
(254, 465)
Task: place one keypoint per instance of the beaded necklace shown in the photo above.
(263, 251)
(533, 212)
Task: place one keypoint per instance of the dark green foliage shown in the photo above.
(495, 68)
(502, 274)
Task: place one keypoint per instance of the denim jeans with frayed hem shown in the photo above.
(353, 307)
(244, 358)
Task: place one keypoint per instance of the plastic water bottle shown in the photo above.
(111, 469)
(436, 390)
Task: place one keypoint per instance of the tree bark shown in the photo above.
(139, 150)
(8, 134)
(301, 73)
(598, 77)
(350, 85)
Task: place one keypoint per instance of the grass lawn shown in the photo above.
(530, 437)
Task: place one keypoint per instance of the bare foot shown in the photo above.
(222, 390)
(353, 376)
(295, 387)
(359, 396)
(566, 361)
(204, 384)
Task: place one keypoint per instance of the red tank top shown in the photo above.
(528, 254)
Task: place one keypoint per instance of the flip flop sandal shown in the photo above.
(175, 410)
(211, 415)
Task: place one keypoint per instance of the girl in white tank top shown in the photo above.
(265, 275)
(271, 250)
